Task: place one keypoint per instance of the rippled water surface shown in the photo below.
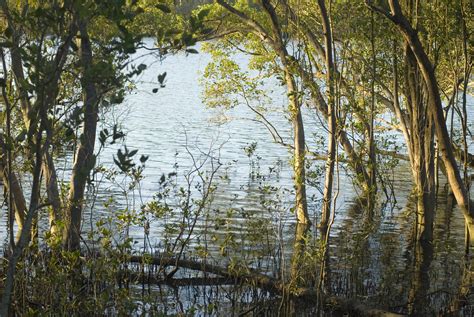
(371, 258)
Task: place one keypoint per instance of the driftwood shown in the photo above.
(255, 278)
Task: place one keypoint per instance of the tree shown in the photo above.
(273, 38)
(435, 107)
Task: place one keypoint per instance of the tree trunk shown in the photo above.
(299, 275)
(85, 159)
(296, 117)
(24, 236)
(371, 137)
(421, 143)
(322, 107)
(435, 109)
(332, 125)
(299, 161)
(354, 159)
(50, 89)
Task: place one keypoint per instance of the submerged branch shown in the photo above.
(258, 279)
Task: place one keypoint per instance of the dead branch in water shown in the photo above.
(258, 279)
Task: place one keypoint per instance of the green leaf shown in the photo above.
(163, 7)
(21, 137)
(6, 44)
(192, 51)
(117, 163)
(120, 156)
(161, 78)
(203, 13)
(8, 32)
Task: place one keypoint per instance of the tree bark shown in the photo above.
(332, 125)
(299, 154)
(355, 160)
(25, 235)
(49, 91)
(255, 278)
(421, 144)
(435, 108)
(85, 159)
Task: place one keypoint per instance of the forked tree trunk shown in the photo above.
(84, 161)
(25, 236)
(299, 154)
(421, 143)
(51, 90)
(319, 101)
(321, 105)
(435, 109)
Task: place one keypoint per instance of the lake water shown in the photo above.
(372, 259)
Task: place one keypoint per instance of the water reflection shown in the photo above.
(368, 257)
(418, 295)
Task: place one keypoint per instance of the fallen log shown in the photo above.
(265, 282)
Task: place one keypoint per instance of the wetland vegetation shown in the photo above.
(236, 157)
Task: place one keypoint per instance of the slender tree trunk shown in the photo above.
(299, 273)
(51, 91)
(296, 117)
(25, 236)
(321, 105)
(85, 158)
(332, 122)
(417, 297)
(299, 163)
(52, 191)
(435, 109)
(16, 200)
(371, 136)
(467, 75)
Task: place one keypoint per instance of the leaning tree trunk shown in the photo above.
(435, 108)
(85, 159)
(296, 117)
(50, 89)
(320, 103)
(25, 236)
